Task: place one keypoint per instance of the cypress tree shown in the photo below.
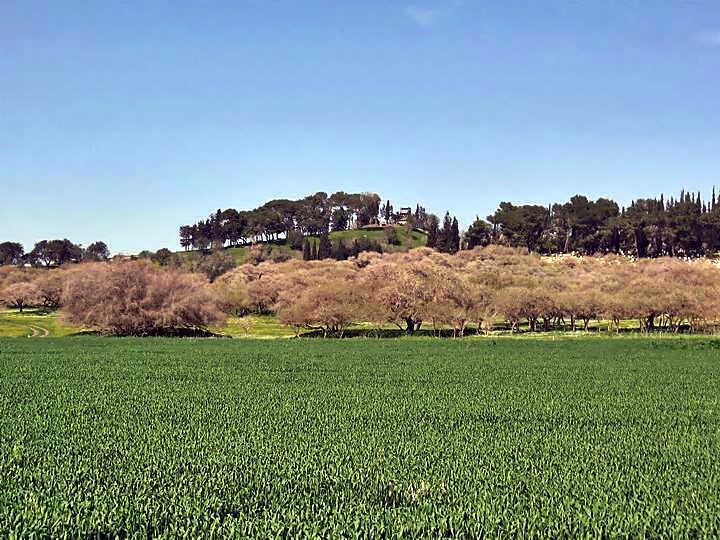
(325, 248)
(432, 235)
(443, 238)
(388, 212)
(454, 240)
(712, 202)
(313, 252)
(341, 252)
(216, 228)
(306, 250)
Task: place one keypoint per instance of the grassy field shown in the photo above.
(162, 437)
(33, 322)
(43, 323)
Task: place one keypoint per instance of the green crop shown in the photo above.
(294, 438)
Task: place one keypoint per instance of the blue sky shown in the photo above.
(122, 120)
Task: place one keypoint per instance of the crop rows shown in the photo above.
(155, 437)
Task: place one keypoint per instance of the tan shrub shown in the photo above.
(137, 298)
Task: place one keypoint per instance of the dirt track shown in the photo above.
(38, 331)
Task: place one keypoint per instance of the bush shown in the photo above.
(295, 240)
(212, 265)
(137, 298)
(280, 257)
(258, 253)
(391, 236)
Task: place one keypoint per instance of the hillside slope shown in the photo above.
(406, 240)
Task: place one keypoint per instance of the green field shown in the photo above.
(158, 437)
(33, 322)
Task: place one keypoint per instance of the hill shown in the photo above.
(405, 240)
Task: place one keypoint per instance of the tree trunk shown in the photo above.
(650, 322)
(410, 325)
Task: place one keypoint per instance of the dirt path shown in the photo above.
(38, 331)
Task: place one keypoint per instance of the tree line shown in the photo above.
(482, 289)
(686, 226)
(283, 218)
(49, 253)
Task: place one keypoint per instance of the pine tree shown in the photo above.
(324, 248)
(306, 250)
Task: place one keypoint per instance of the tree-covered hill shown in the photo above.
(390, 238)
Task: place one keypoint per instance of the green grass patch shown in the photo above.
(33, 322)
(105, 437)
(407, 240)
(254, 326)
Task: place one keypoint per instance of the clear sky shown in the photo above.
(119, 121)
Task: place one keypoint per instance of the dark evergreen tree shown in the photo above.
(713, 201)
(444, 235)
(313, 252)
(520, 226)
(216, 229)
(479, 234)
(325, 247)
(97, 251)
(387, 212)
(453, 242)
(306, 250)
(186, 234)
(432, 236)
(341, 251)
(339, 220)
